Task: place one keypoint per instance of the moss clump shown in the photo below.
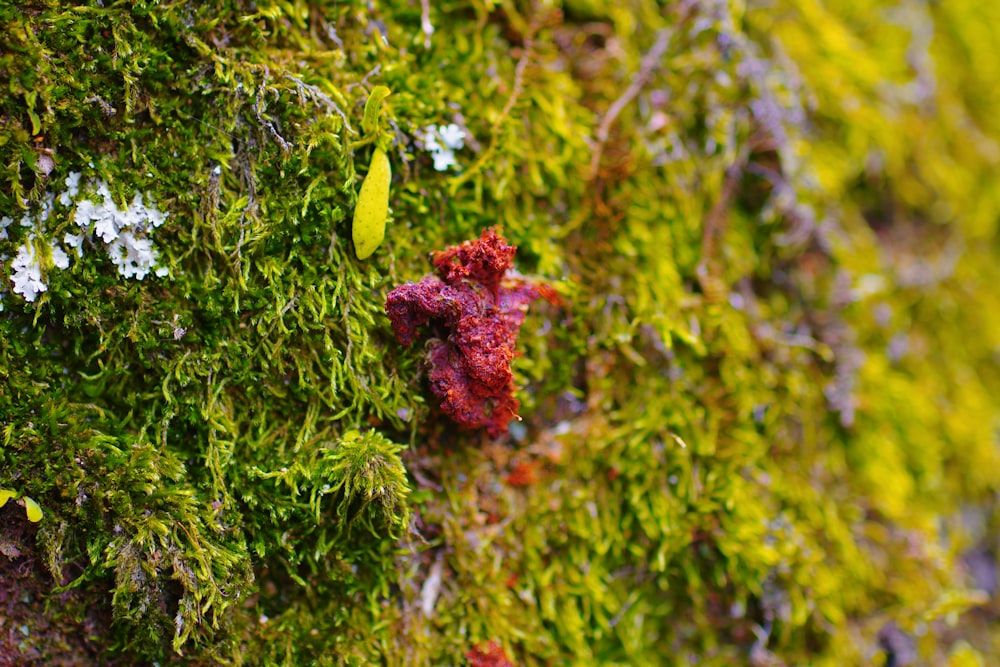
(750, 430)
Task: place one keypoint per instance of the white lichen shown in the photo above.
(74, 242)
(26, 269)
(124, 231)
(72, 189)
(59, 257)
(26, 272)
(133, 256)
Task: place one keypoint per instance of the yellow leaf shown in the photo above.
(5, 495)
(32, 509)
(373, 206)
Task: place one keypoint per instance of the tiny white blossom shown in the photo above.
(453, 136)
(430, 140)
(5, 222)
(442, 142)
(443, 159)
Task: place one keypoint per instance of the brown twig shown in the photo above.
(641, 78)
(425, 22)
(515, 94)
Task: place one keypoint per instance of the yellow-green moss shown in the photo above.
(751, 430)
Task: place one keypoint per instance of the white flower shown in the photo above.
(442, 142)
(453, 136)
(443, 159)
(26, 272)
(5, 222)
(429, 137)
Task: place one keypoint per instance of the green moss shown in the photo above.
(751, 429)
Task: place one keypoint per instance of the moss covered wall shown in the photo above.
(760, 429)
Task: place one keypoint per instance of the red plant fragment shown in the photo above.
(480, 311)
(523, 474)
(491, 655)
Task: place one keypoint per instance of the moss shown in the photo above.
(761, 427)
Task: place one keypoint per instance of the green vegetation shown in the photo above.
(762, 429)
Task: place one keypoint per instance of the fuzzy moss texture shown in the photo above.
(762, 430)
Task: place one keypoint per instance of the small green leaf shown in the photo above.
(369, 124)
(36, 123)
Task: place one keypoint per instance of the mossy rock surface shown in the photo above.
(758, 426)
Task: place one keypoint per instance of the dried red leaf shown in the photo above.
(491, 655)
(481, 309)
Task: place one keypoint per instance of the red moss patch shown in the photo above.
(523, 474)
(481, 309)
(490, 655)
